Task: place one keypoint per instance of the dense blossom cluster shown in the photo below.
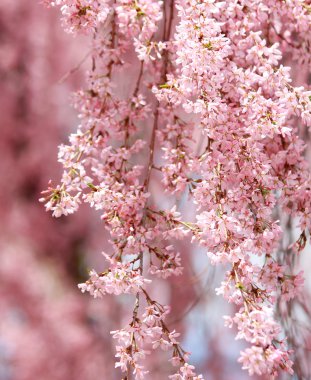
(117, 280)
(82, 14)
(192, 92)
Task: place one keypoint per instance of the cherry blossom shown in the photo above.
(193, 96)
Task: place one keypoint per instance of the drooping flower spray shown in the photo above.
(189, 98)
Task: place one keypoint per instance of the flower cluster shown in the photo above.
(83, 15)
(150, 329)
(119, 279)
(208, 112)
